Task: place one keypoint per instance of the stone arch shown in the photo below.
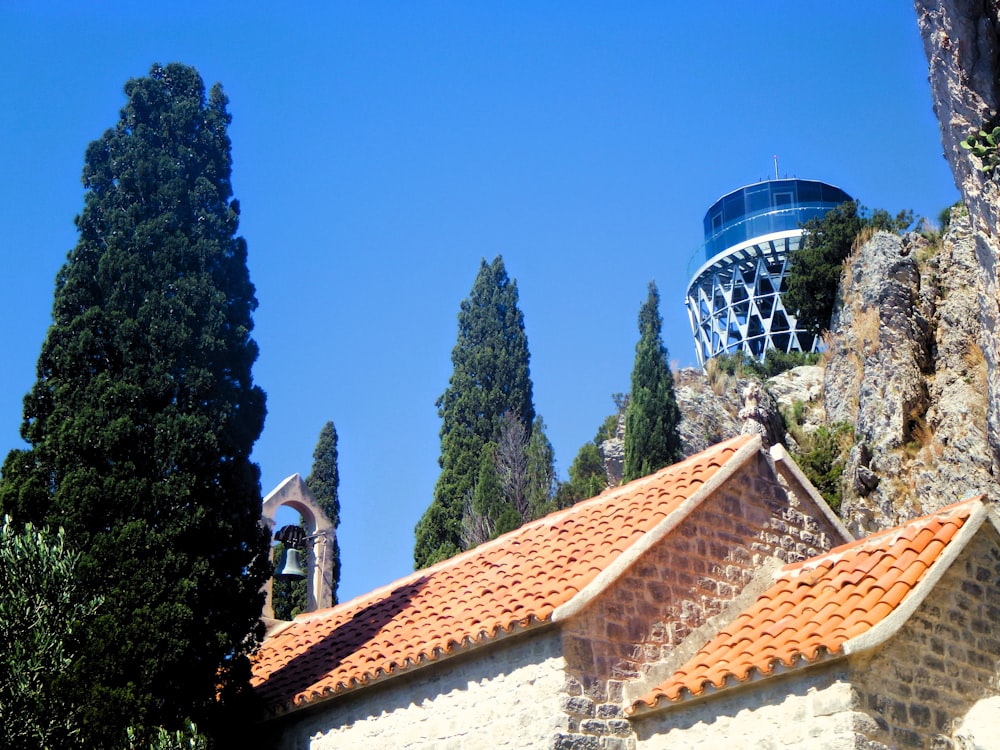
(293, 493)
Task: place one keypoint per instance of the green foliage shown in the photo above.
(188, 738)
(882, 221)
(608, 428)
(822, 459)
(324, 482)
(587, 477)
(490, 509)
(944, 219)
(490, 378)
(652, 417)
(798, 411)
(983, 145)
(540, 478)
(775, 362)
(42, 606)
(814, 269)
(143, 416)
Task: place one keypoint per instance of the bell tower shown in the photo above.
(319, 536)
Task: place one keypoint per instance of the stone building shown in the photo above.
(717, 602)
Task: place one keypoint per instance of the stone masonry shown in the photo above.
(912, 691)
(503, 698)
(944, 659)
(673, 590)
(808, 710)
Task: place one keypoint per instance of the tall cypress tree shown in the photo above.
(652, 418)
(144, 414)
(324, 482)
(489, 379)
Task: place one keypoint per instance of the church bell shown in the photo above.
(290, 567)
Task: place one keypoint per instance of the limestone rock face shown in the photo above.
(760, 416)
(880, 345)
(961, 42)
(613, 453)
(708, 413)
(802, 384)
(798, 395)
(905, 368)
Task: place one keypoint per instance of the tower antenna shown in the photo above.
(775, 157)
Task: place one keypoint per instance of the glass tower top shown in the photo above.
(734, 297)
(764, 208)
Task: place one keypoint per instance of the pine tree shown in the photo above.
(490, 377)
(652, 418)
(323, 482)
(143, 417)
(814, 269)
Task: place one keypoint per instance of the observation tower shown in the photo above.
(739, 273)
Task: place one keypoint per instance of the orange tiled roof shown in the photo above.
(511, 583)
(816, 606)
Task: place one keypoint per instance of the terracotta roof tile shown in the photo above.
(815, 606)
(513, 582)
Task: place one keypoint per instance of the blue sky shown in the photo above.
(382, 149)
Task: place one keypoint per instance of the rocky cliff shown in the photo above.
(902, 380)
(907, 396)
(905, 369)
(962, 45)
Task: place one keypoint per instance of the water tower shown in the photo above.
(739, 273)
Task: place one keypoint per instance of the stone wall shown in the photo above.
(505, 697)
(689, 577)
(808, 710)
(944, 659)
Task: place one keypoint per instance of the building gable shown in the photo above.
(521, 581)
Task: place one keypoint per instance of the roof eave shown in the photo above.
(891, 623)
(733, 684)
(278, 710)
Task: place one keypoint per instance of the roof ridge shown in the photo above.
(548, 519)
(507, 586)
(945, 512)
(871, 607)
(743, 448)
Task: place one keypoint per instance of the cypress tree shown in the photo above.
(490, 377)
(652, 418)
(143, 416)
(587, 477)
(540, 481)
(323, 482)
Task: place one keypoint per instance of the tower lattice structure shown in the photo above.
(740, 272)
